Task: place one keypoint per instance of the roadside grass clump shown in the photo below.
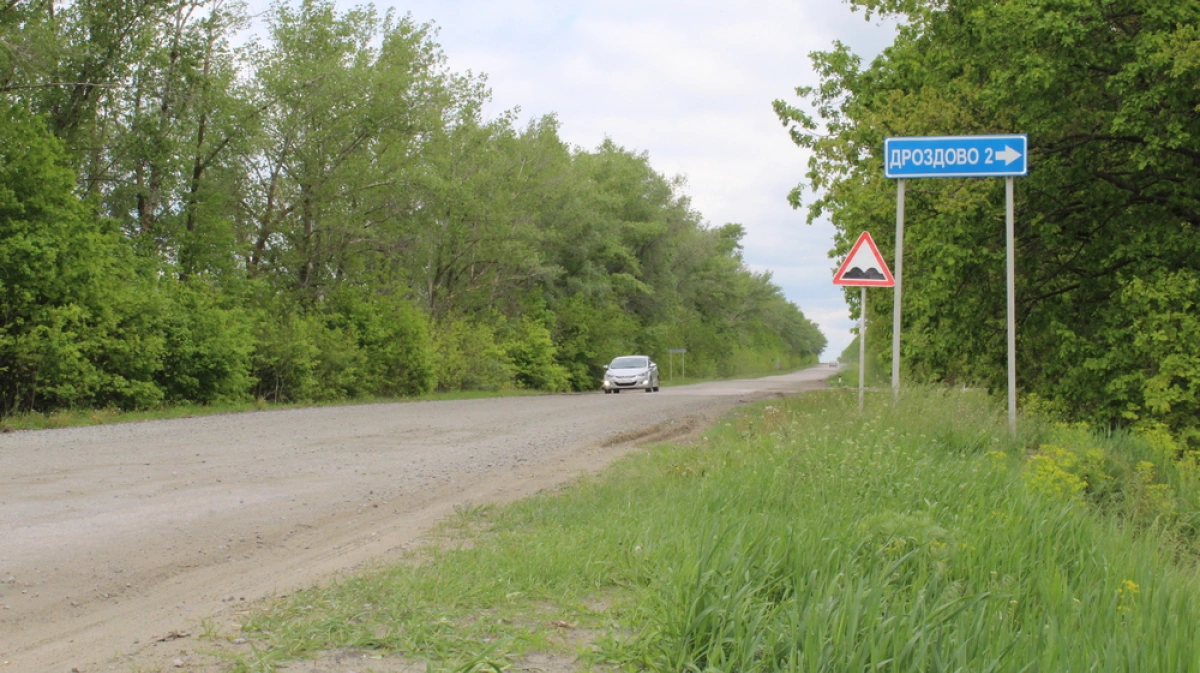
(799, 535)
(1144, 476)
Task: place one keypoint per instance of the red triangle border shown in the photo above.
(839, 279)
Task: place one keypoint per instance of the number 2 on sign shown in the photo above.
(988, 153)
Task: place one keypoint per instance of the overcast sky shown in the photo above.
(691, 83)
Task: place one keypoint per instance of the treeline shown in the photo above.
(1108, 252)
(326, 213)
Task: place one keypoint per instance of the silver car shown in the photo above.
(631, 371)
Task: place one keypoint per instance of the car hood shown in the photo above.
(624, 373)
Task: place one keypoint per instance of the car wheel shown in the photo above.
(607, 391)
(649, 389)
(656, 389)
(617, 390)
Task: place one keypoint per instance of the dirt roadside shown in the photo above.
(118, 542)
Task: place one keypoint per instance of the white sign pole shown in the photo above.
(899, 266)
(1012, 307)
(862, 346)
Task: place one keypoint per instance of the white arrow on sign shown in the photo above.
(1008, 156)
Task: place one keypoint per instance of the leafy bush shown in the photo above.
(1149, 365)
(387, 348)
(208, 348)
(71, 332)
(285, 356)
(588, 334)
(1145, 476)
(532, 352)
(467, 357)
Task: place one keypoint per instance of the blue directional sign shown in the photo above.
(956, 156)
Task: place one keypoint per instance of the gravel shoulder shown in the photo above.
(117, 540)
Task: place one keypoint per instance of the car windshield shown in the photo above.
(632, 362)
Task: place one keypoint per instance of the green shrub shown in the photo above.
(532, 352)
(208, 348)
(394, 339)
(285, 356)
(588, 334)
(74, 332)
(1150, 368)
(467, 357)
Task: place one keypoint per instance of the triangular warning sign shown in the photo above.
(864, 266)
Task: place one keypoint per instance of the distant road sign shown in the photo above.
(864, 266)
(956, 156)
(676, 350)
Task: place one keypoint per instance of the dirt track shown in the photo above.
(115, 539)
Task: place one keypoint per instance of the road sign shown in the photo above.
(676, 350)
(1001, 156)
(956, 156)
(864, 266)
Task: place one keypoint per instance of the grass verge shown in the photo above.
(82, 417)
(800, 535)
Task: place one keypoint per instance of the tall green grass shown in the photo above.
(796, 536)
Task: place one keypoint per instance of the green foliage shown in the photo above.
(323, 214)
(285, 355)
(207, 348)
(586, 334)
(1106, 219)
(68, 334)
(467, 357)
(1150, 369)
(532, 353)
(392, 338)
(355, 346)
(1148, 477)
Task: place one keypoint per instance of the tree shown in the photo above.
(326, 214)
(1106, 93)
(481, 195)
(71, 333)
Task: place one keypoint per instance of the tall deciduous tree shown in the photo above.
(1107, 93)
(351, 103)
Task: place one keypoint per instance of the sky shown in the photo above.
(691, 83)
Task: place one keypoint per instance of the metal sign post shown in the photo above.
(862, 348)
(1010, 254)
(896, 297)
(1003, 156)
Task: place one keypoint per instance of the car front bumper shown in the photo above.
(623, 384)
